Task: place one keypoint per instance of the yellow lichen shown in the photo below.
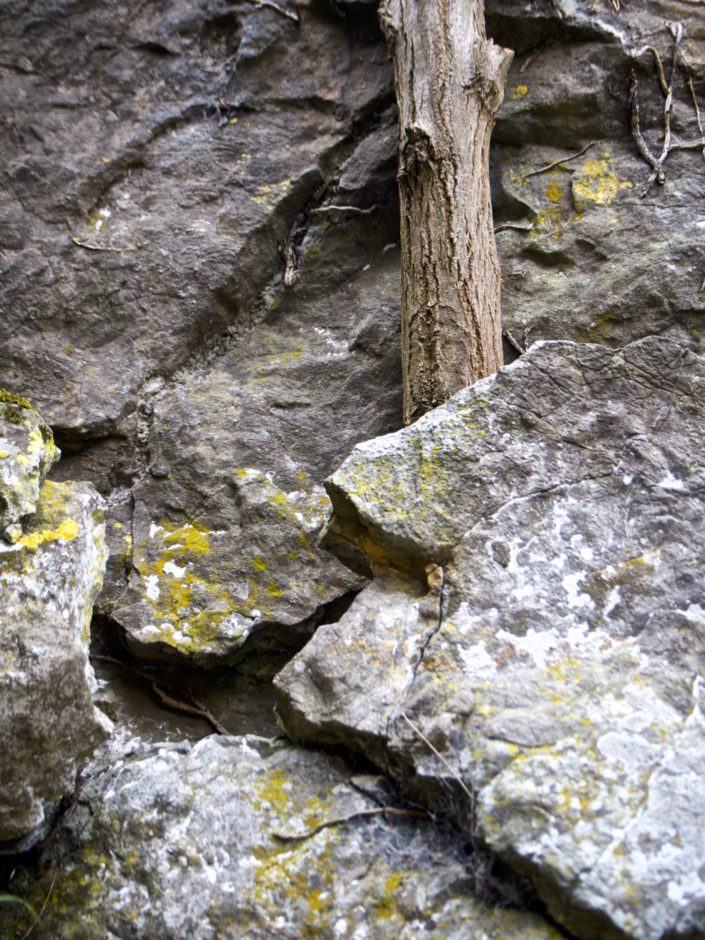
(67, 531)
(596, 182)
(555, 191)
(520, 92)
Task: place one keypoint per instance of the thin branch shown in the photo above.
(342, 820)
(193, 708)
(441, 758)
(689, 144)
(550, 166)
(656, 163)
(641, 144)
(694, 99)
(356, 209)
(43, 908)
(533, 54)
(503, 226)
(81, 244)
(513, 342)
(269, 5)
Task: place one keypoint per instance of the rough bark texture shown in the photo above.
(450, 82)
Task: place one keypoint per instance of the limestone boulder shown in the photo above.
(530, 656)
(169, 841)
(49, 579)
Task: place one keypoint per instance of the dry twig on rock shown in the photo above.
(551, 166)
(192, 707)
(342, 820)
(270, 5)
(658, 174)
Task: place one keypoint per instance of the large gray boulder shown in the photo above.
(530, 655)
(49, 579)
(179, 841)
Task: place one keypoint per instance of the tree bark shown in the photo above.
(449, 83)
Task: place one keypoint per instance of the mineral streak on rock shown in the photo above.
(562, 684)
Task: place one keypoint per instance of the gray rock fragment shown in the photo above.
(49, 579)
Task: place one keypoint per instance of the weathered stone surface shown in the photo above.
(585, 257)
(174, 841)
(48, 724)
(180, 143)
(555, 660)
(186, 140)
(226, 520)
(27, 452)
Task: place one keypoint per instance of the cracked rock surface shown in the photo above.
(199, 283)
(561, 686)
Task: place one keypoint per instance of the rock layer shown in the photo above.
(553, 658)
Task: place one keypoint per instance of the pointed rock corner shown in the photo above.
(561, 684)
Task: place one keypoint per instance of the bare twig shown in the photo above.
(533, 54)
(689, 144)
(269, 5)
(346, 209)
(658, 173)
(194, 707)
(342, 820)
(81, 244)
(694, 99)
(441, 758)
(550, 166)
(513, 342)
(503, 226)
(42, 909)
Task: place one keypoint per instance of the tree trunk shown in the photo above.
(449, 82)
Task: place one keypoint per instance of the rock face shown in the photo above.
(49, 579)
(540, 648)
(584, 255)
(174, 169)
(199, 280)
(27, 452)
(174, 841)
